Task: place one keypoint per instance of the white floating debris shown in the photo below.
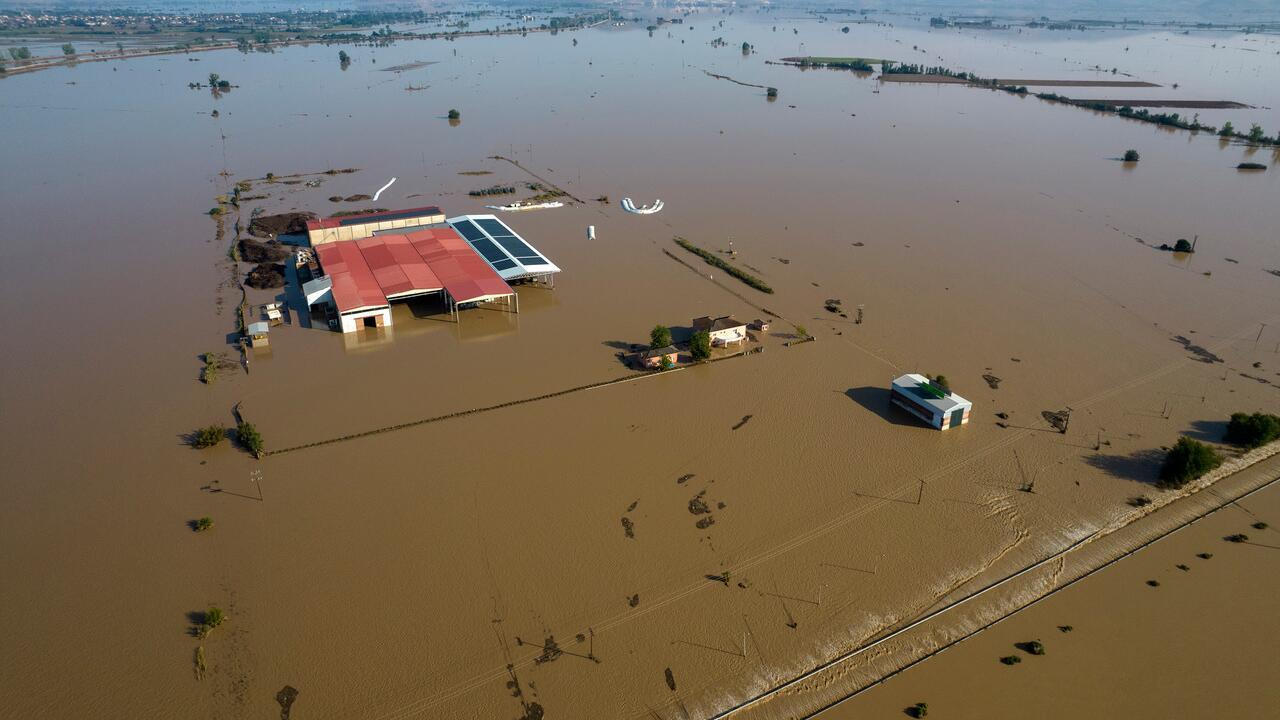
(630, 207)
(384, 187)
(516, 207)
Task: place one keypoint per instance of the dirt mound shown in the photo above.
(269, 226)
(262, 252)
(265, 276)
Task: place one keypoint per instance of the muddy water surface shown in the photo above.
(426, 572)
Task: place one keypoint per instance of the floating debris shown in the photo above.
(630, 207)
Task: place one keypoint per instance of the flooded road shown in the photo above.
(449, 570)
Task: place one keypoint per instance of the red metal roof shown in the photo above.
(373, 216)
(354, 285)
(465, 275)
(397, 267)
(367, 272)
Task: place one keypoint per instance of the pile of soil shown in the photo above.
(269, 226)
(262, 252)
(265, 276)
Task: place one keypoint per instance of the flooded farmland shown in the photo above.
(549, 557)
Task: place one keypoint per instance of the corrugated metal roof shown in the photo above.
(464, 274)
(371, 217)
(369, 272)
(397, 266)
(354, 285)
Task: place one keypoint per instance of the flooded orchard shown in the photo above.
(680, 543)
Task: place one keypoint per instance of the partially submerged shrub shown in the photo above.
(1187, 460)
(207, 437)
(203, 524)
(250, 438)
(1237, 538)
(1031, 647)
(1254, 430)
(918, 710)
(210, 619)
(700, 345)
(1010, 659)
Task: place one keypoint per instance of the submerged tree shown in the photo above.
(1254, 430)
(700, 345)
(68, 49)
(1131, 155)
(343, 58)
(659, 336)
(1187, 460)
(455, 115)
(1255, 133)
(1227, 129)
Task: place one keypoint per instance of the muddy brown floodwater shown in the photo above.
(474, 567)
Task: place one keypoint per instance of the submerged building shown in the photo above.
(929, 401)
(363, 225)
(362, 275)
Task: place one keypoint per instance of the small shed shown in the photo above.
(653, 358)
(929, 401)
(258, 334)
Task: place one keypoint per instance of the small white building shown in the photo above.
(724, 331)
(930, 402)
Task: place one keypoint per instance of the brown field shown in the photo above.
(1200, 104)
(917, 78)
(1076, 83)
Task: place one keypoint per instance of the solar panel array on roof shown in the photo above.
(504, 250)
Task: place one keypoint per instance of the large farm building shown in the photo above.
(365, 262)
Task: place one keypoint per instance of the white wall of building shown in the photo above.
(355, 321)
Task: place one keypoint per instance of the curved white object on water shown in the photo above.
(516, 207)
(630, 206)
(384, 187)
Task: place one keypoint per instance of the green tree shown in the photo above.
(207, 437)
(213, 79)
(1187, 460)
(1255, 133)
(700, 345)
(250, 438)
(942, 382)
(1227, 129)
(1254, 430)
(1131, 155)
(1183, 246)
(802, 331)
(20, 53)
(665, 363)
(659, 336)
(454, 115)
(343, 57)
(68, 49)
(203, 524)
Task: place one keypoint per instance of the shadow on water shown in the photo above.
(1208, 430)
(876, 399)
(1139, 466)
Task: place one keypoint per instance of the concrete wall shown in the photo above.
(364, 230)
